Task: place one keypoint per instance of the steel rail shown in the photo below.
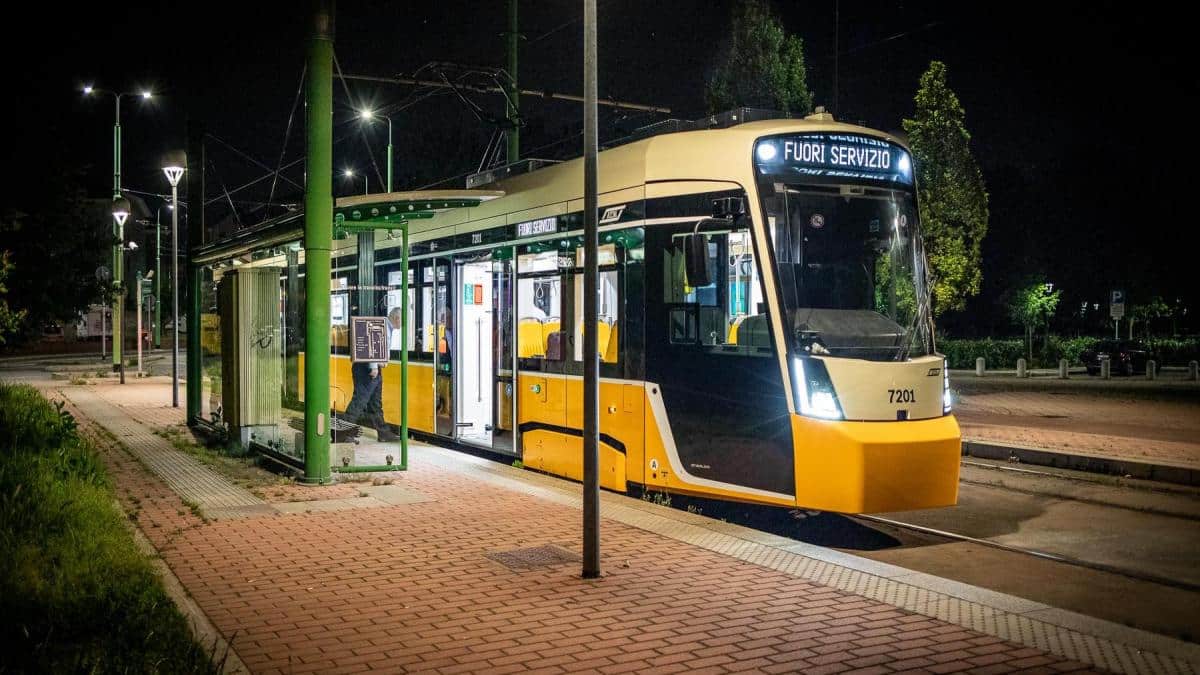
(1054, 557)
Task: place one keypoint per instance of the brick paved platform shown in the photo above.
(408, 586)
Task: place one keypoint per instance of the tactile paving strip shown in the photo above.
(191, 480)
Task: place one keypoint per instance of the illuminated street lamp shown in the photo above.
(349, 173)
(118, 257)
(120, 213)
(369, 116)
(174, 164)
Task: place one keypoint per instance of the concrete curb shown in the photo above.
(202, 628)
(1165, 473)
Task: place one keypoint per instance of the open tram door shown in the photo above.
(482, 352)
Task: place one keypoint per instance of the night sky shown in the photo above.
(1079, 113)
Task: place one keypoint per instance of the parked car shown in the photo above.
(1125, 356)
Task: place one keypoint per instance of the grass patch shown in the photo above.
(233, 462)
(76, 593)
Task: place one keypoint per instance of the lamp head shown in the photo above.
(348, 173)
(88, 89)
(146, 95)
(174, 163)
(367, 114)
(120, 210)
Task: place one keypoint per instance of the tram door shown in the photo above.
(473, 342)
(441, 336)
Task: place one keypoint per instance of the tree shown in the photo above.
(1032, 306)
(56, 243)
(954, 204)
(1146, 312)
(10, 320)
(762, 66)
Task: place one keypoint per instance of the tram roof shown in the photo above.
(695, 156)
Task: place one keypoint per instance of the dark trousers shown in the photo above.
(367, 400)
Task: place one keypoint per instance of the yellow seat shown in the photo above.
(733, 330)
(530, 341)
(610, 352)
(606, 340)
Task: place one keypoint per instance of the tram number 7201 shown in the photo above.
(902, 396)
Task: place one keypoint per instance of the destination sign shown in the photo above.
(835, 156)
(533, 228)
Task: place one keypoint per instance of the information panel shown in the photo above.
(368, 339)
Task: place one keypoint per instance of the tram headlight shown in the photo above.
(945, 387)
(814, 390)
(766, 151)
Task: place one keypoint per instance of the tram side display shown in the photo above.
(834, 156)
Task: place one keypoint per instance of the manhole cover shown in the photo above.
(538, 556)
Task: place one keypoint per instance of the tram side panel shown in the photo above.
(420, 390)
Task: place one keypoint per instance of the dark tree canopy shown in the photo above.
(954, 203)
(762, 67)
(55, 245)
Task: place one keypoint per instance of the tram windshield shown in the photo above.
(851, 269)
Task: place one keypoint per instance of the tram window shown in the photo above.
(394, 299)
(729, 313)
(427, 341)
(608, 310)
(539, 306)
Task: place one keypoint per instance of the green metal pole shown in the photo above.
(318, 240)
(389, 162)
(514, 133)
(403, 348)
(195, 358)
(195, 273)
(119, 300)
(158, 281)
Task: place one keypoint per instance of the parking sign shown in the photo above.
(1116, 305)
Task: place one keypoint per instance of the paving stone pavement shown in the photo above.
(407, 585)
(191, 480)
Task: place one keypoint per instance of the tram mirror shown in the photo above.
(698, 263)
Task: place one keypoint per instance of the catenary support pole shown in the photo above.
(195, 274)
(514, 92)
(404, 349)
(318, 236)
(591, 357)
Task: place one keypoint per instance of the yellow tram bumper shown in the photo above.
(874, 467)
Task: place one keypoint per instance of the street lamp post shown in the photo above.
(349, 173)
(174, 164)
(158, 278)
(120, 212)
(370, 115)
(118, 254)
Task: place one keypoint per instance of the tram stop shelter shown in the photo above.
(252, 376)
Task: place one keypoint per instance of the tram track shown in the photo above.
(1035, 553)
(1165, 491)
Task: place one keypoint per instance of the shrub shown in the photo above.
(998, 353)
(1004, 353)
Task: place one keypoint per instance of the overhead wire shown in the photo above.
(287, 134)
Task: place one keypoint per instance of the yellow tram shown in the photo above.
(765, 331)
